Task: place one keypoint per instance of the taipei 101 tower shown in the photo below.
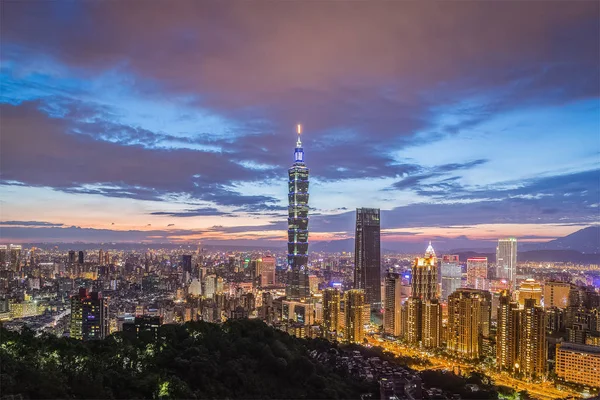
(297, 276)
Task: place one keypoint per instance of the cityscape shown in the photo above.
(140, 262)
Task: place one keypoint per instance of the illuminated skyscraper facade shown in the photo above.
(331, 312)
(367, 255)
(392, 304)
(507, 333)
(469, 318)
(89, 316)
(297, 276)
(451, 275)
(354, 304)
(424, 276)
(506, 261)
(532, 346)
(477, 273)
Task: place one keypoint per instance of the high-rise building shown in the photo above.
(392, 304)
(431, 335)
(578, 363)
(72, 256)
(557, 294)
(297, 277)
(331, 312)
(101, 256)
(81, 257)
(424, 276)
(507, 333)
(477, 273)
(89, 315)
(267, 273)
(414, 320)
(469, 319)
(144, 323)
(532, 344)
(186, 263)
(530, 289)
(506, 261)
(354, 303)
(15, 256)
(3, 257)
(451, 275)
(367, 255)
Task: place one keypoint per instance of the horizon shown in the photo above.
(184, 132)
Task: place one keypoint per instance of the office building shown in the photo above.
(72, 257)
(89, 315)
(141, 324)
(469, 319)
(331, 313)
(451, 275)
(297, 276)
(186, 263)
(392, 304)
(576, 363)
(367, 255)
(530, 289)
(477, 273)
(81, 257)
(354, 305)
(267, 273)
(506, 261)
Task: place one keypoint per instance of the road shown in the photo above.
(542, 391)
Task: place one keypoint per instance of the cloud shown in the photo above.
(206, 211)
(29, 223)
(436, 172)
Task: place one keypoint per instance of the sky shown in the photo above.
(132, 121)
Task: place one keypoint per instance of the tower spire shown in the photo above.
(299, 152)
(299, 131)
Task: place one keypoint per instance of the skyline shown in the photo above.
(184, 132)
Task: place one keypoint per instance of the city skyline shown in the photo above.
(115, 141)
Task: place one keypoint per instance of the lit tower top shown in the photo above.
(430, 252)
(299, 152)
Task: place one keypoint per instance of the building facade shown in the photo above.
(354, 304)
(469, 319)
(506, 261)
(89, 316)
(477, 273)
(451, 275)
(392, 304)
(367, 255)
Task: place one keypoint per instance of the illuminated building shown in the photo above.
(331, 312)
(507, 333)
(424, 276)
(431, 336)
(3, 257)
(367, 255)
(89, 315)
(142, 324)
(506, 261)
(23, 309)
(477, 273)
(297, 277)
(578, 363)
(414, 320)
(469, 318)
(530, 289)
(451, 275)
(354, 304)
(267, 274)
(313, 283)
(532, 341)
(392, 304)
(100, 256)
(557, 294)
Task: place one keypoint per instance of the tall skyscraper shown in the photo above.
(451, 275)
(186, 263)
(297, 277)
(81, 257)
(477, 273)
(469, 319)
(424, 276)
(72, 256)
(392, 304)
(367, 255)
(354, 304)
(506, 261)
(507, 333)
(532, 346)
(89, 316)
(431, 334)
(331, 312)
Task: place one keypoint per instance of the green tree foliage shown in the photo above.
(239, 359)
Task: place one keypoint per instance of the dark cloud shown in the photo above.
(29, 223)
(415, 180)
(206, 211)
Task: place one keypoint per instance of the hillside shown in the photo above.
(240, 359)
(585, 240)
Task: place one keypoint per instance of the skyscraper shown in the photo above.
(469, 318)
(367, 255)
(477, 273)
(81, 257)
(354, 303)
(186, 263)
(89, 316)
(331, 312)
(507, 333)
(451, 275)
(506, 261)
(267, 273)
(532, 345)
(424, 276)
(392, 304)
(431, 334)
(530, 289)
(72, 256)
(297, 277)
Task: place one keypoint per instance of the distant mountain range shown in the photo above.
(585, 240)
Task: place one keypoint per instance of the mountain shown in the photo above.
(538, 256)
(585, 240)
